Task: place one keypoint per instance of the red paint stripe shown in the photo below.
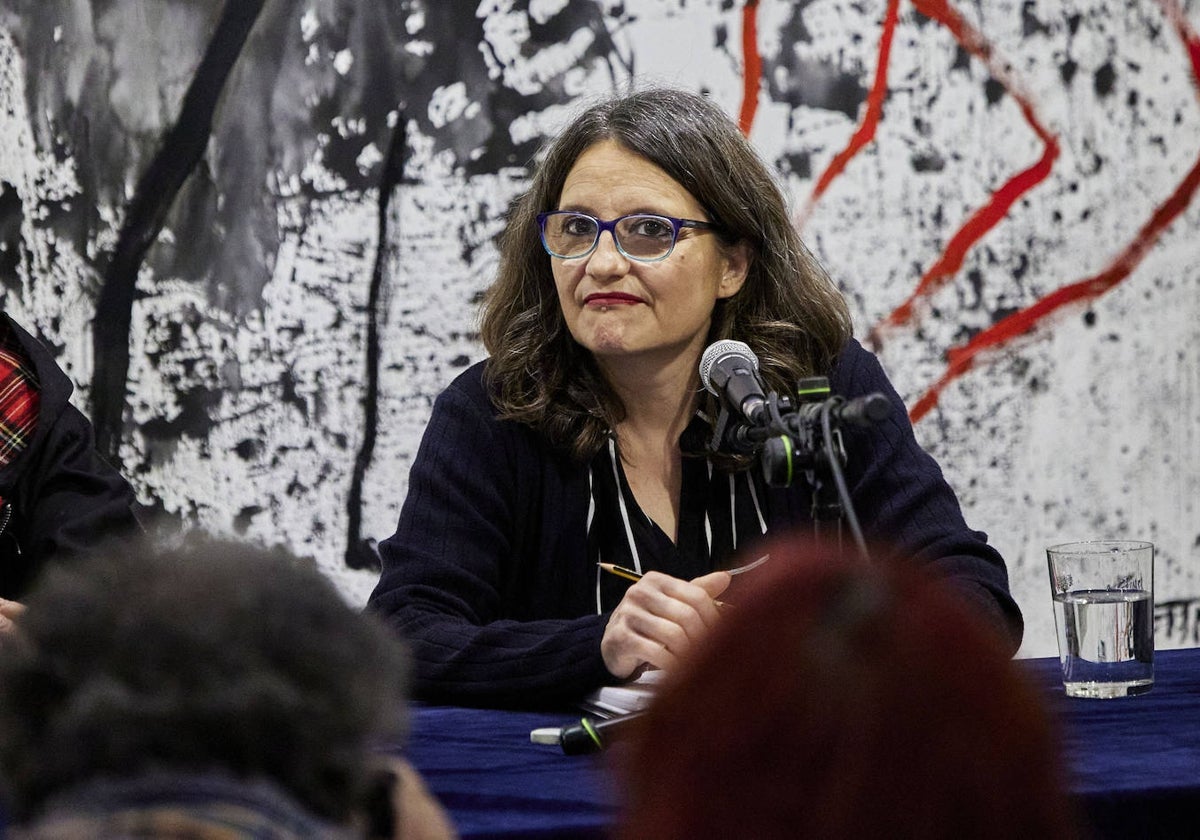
(751, 66)
(870, 120)
(962, 359)
(974, 229)
(1001, 201)
(1183, 29)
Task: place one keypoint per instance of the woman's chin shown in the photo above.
(607, 340)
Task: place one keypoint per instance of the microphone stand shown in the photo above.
(826, 503)
(804, 438)
(826, 507)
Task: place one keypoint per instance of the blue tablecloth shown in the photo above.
(497, 784)
(1134, 763)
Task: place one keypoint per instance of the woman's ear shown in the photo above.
(737, 267)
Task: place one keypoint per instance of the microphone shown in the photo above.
(729, 371)
(587, 736)
(864, 411)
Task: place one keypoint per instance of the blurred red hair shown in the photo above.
(844, 700)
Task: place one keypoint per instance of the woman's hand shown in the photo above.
(9, 612)
(659, 620)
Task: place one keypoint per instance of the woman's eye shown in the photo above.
(579, 226)
(651, 227)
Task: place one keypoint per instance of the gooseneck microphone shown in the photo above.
(794, 435)
(729, 371)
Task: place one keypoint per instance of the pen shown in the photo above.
(630, 574)
(621, 571)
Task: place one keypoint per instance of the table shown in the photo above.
(497, 784)
(1134, 763)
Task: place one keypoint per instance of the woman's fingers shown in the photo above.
(9, 612)
(659, 620)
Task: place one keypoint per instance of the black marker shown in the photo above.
(587, 736)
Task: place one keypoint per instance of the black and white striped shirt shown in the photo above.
(719, 513)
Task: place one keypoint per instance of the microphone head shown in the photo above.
(720, 350)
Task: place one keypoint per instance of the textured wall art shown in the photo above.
(256, 233)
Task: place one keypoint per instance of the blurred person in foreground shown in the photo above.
(58, 497)
(213, 690)
(841, 699)
(651, 229)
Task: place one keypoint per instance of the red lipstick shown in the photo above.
(610, 299)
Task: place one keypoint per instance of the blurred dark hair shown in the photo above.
(788, 310)
(838, 700)
(213, 656)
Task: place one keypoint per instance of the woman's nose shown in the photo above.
(607, 260)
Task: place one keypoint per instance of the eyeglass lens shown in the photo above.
(642, 237)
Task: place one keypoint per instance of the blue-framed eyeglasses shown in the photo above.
(645, 237)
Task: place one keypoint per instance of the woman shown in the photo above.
(650, 230)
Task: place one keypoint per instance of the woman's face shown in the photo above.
(619, 308)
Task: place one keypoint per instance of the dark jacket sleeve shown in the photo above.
(71, 499)
(468, 533)
(61, 498)
(906, 506)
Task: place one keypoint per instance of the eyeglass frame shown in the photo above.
(611, 226)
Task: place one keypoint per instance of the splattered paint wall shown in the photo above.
(256, 233)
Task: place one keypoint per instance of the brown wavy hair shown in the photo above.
(788, 310)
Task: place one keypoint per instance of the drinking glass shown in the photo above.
(1103, 593)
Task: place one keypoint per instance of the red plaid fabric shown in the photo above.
(18, 397)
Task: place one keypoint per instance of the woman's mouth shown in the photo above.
(610, 299)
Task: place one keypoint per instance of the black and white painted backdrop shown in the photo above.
(256, 233)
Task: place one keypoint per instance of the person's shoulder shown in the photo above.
(465, 411)
(471, 392)
(853, 362)
(858, 371)
(852, 352)
(13, 334)
(470, 378)
(469, 386)
(51, 381)
(16, 341)
(469, 395)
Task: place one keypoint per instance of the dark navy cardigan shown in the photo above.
(487, 579)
